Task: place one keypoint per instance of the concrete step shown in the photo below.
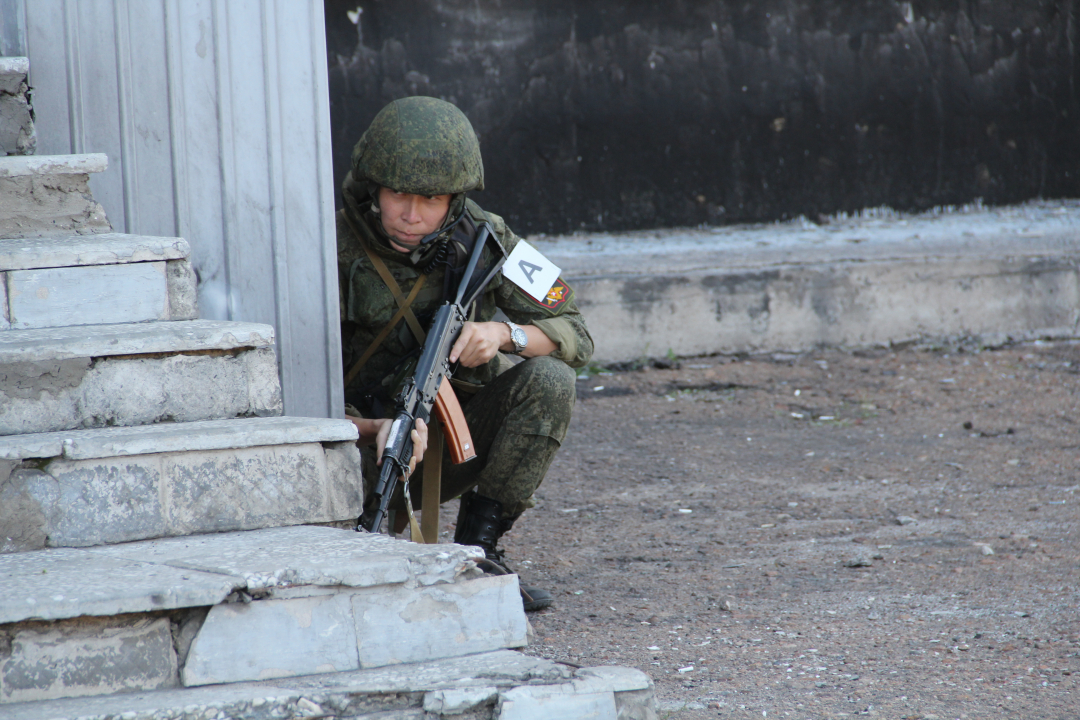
(50, 195)
(79, 250)
(17, 133)
(992, 274)
(136, 374)
(501, 684)
(90, 487)
(92, 280)
(238, 607)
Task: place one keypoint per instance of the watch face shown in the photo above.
(520, 338)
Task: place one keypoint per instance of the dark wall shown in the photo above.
(605, 115)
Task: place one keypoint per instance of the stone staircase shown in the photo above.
(170, 544)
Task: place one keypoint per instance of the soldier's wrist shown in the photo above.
(519, 339)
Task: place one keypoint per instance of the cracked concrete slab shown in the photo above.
(65, 583)
(291, 556)
(274, 638)
(468, 624)
(339, 600)
(17, 133)
(36, 206)
(113, 500)
(200, 570)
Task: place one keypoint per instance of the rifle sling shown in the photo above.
(404, 305)
(399, 296)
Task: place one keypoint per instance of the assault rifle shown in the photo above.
(426, 389)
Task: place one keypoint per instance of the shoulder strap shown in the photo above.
(404, 304)
(391, 283)
(385, 332)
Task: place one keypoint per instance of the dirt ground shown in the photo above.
(890, 533)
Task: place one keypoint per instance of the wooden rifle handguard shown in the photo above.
(455, 429)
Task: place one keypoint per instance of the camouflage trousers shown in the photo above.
(517, 421)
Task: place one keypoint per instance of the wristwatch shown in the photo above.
(517, 336)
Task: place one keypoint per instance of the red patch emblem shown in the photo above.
(559, 293)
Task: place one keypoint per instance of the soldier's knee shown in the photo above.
(541, 400)
(549, 376)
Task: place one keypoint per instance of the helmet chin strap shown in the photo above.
(441, 231)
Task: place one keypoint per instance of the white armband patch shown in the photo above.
(530, 271)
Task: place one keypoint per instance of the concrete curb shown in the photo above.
(1003, 273)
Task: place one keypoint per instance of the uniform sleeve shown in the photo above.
(557, 315)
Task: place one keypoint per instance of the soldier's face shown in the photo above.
(407, 218)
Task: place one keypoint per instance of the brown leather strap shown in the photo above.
(432, 490)
(404, 305)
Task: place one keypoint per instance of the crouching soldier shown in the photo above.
(404, 235)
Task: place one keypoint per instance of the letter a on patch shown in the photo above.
(530, 271)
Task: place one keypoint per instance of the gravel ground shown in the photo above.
(890, 533)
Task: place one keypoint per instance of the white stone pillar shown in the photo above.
(215, 118)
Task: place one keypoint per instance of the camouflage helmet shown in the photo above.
(420, 145)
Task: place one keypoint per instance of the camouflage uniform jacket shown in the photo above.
(367, 305)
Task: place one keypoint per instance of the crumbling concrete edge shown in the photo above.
(475, 687)
(21, 165)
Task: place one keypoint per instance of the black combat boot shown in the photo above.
(480, 523)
